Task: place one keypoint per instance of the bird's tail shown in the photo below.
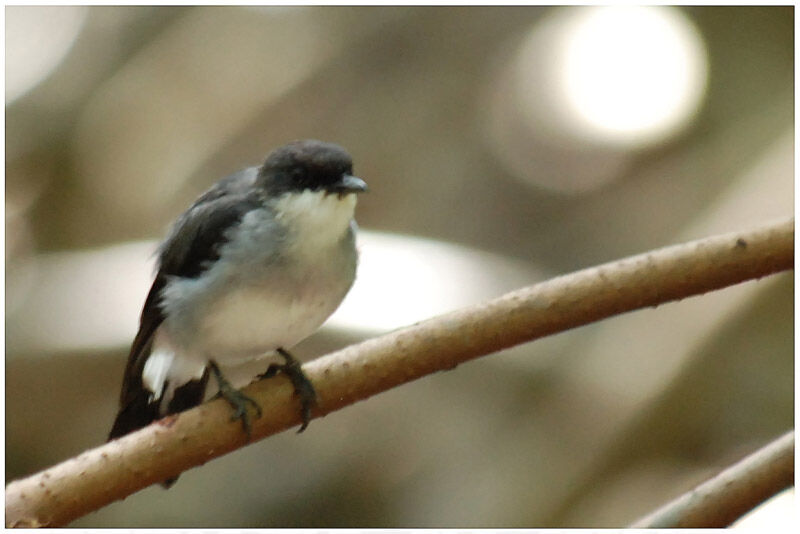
(137, 413)
(139, 407)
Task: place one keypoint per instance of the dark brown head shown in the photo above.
(309, 165)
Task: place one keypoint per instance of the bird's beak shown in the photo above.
(350, 184)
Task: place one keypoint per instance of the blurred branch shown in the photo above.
(164, 449)
(720, 501)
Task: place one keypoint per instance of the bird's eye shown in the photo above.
(300, 177)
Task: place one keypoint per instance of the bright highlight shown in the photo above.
(633, 74)
(38, 38)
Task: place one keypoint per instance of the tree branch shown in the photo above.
(164, 449)
(720, 501)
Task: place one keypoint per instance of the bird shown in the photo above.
(255, 265)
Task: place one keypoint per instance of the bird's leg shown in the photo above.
(302, 385)
(235, 398)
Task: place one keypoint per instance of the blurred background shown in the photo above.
(502, 146)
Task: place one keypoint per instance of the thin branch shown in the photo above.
(164, 449)
(722, 500)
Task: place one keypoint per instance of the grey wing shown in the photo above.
(192, 244)
(197, 235)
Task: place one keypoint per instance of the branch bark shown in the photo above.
(725, 498)
(164, 449)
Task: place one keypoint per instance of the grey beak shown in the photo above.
(350, 184)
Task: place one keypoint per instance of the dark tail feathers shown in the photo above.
(140, 410)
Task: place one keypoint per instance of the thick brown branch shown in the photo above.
(100, 476)
(725, 498)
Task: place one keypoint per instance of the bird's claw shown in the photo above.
(303, 387)
(237, 400)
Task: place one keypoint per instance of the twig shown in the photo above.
(720, 501)
(164, 449)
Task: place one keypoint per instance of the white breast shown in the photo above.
(248, 304)
(319, 220)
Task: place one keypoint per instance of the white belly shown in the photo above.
(239, 324)
(253, 301)
(246, 324)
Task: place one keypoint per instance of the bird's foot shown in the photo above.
(236, 399)
(302, 385)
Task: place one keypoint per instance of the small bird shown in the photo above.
(253, 267)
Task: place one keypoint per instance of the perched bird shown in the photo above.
(254, 266)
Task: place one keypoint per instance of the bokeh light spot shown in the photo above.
(633, 72)
(38, 38)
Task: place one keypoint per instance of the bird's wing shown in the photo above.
(191, 246)
(198, 233)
